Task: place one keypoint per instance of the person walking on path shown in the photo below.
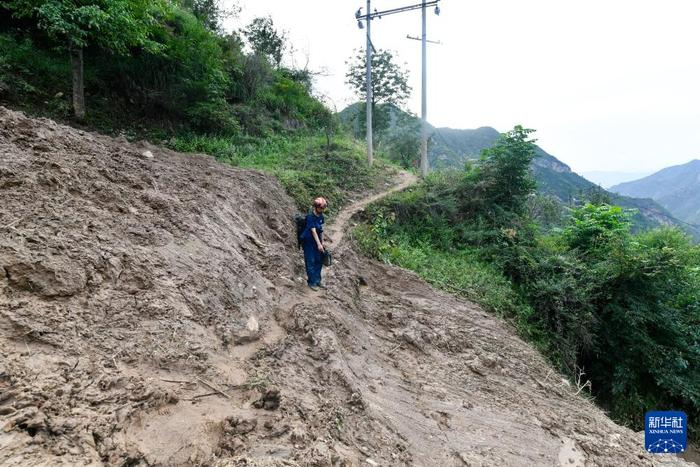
(312, 242)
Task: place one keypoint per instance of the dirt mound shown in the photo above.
(121, 266)
(153, 312)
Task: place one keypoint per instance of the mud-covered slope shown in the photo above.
(153, 312)
(121, 264)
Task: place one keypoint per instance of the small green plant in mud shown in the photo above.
(258, 381)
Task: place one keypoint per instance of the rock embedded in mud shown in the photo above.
(252, 325)
(356, 400)
(29, 419)
(239, 426)
(243, 335)
(52, 277)
(232, 445)
(477, 366)
(281, 431)
(269, 401)
(298, 436)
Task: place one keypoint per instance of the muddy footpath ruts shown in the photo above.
(153, 312)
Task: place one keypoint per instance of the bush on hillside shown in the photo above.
(191, 77)
(26, 70)
(305, 165)
(623, 307)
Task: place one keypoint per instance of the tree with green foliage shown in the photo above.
(546, 210)
(265, 39)
(503, 180)
(596, 226)
(389, 80)
(596, 195)
(169, 69)
(113, 25)
(645, 290)
(210, 12)
(402, 145)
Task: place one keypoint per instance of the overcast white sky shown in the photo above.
(607, 84)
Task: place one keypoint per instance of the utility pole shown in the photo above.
(368, 92)
(424, 106)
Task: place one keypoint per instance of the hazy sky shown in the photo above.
(607, 84)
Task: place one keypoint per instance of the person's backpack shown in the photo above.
(300, 223)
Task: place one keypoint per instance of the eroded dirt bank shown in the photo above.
(153, 312)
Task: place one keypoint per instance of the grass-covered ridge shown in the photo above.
(307, 165)
(592, 295)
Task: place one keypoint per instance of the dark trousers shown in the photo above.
(313, 260)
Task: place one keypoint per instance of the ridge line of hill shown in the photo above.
(451, 148)
(676, 188)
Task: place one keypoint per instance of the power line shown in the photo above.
(367, 18)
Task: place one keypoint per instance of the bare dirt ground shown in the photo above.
(153, 311)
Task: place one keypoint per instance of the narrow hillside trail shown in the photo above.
(154, 311)
(337, 230)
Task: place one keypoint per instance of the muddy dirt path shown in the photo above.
(337, 230)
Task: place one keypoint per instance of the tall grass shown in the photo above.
(306, 165)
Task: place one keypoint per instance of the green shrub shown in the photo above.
(186, 76)
(213, 116)
(623, 307)
(28, 72)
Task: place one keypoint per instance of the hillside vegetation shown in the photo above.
(620, 310)
(448, 148)
(185, 83)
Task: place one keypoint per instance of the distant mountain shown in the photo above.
(676, 188)
(606, 179)
(451, 148)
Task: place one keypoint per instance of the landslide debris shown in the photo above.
(125, 267)
(153, 312)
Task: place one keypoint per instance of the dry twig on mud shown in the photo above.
(11, 224)
(581, 386)
(198, 396)
(211, 386)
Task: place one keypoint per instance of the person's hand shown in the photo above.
(320, 247)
